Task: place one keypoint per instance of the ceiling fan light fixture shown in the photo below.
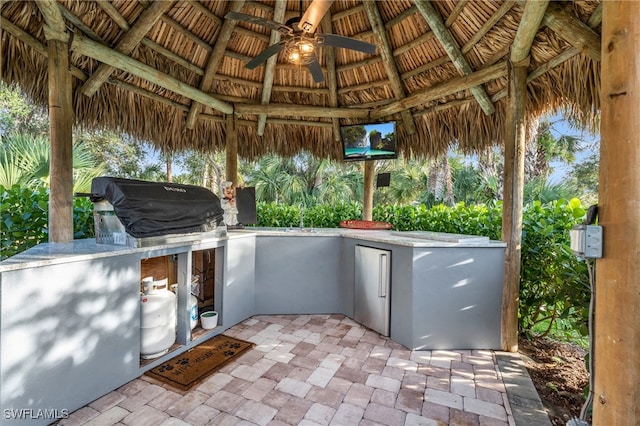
(300, 51)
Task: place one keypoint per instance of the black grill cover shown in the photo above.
(148, 209)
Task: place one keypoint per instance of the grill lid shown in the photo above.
(148, 209)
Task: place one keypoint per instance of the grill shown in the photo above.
(156, 209)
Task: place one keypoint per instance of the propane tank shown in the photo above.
(193, 301)
(158, 318)
(192, 306)
(193, 311)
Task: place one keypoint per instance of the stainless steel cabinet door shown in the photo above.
(372, 277)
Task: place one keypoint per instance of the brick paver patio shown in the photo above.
(318, 370)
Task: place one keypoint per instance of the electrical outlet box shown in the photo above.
(586, 241)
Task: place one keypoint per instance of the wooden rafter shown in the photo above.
(289, 110)
(127, 43)
(55, 28)
(486, 27)
(574, 31)
(176, 26)
(443, 89)
(332, 78)
(270, 67)
(90, 48)
(113, 13)
(450, 45)
(400, 17)
(529, 24)
(388, 61)
(419, 41)
(455, 12)
(213, 63)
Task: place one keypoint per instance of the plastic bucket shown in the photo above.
(209, 320)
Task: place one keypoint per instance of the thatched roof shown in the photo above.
(411, 78)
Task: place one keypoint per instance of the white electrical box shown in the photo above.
(586, 241)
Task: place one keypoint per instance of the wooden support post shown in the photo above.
(367, 204)
(514, 149)
(61, 126)
(617, 319)
(231, 170)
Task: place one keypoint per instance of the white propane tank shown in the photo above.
(193, 306)
(193, 301)
(157, 318)
(193, 311)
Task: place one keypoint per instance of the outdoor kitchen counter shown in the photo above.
(402, 238)
(69, 311)
(87, 249)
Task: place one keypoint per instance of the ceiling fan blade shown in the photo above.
(264, 55)
(313, 15)
(347, 43)
(277, 26)
(316, 71)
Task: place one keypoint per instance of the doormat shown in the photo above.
(191, 367)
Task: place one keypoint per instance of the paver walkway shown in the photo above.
(318, 370)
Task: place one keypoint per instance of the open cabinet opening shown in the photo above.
(202, 300)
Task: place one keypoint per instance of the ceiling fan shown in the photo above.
(300, 40)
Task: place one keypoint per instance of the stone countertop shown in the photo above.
(404, 238)
(77, 250)
(86, 249)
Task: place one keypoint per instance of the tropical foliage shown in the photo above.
(24, 161)
(24, 214)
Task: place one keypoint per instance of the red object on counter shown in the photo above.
(365, 224)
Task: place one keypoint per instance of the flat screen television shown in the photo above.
(372, 141)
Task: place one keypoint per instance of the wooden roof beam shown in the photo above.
(594, 21)
(203, 9)
(443, 89)
(414, 43)
(55, 28)
(455, 12)
(347, 12)
(486, 27)
(450, 45)
(270, 67)
(127, 43)
(531, 19)
(185, 32)
(113, 13)
(301, 111)
(36, 45)
(214, 61)
(332, 76)
(386, 52)
(97, 51)
(401, 17)
(250, 123)
(574, 31)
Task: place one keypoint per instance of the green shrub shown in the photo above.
(24, 216)
(554, 286)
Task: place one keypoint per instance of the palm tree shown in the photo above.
(304, 180)
(24, 161)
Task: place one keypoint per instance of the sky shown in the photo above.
(591, 145)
